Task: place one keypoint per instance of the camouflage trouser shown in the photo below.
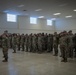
(70, 51)
(63, 52)
(49, 47)
(14, 47)
(30, 47)
(55, 46)
(34, 48)
(5, 53)
(40, 48)
(26, 47)
(22, 47)
(18, 45)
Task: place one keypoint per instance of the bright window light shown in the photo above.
(49, 22)
(33, 20)
(11, 18)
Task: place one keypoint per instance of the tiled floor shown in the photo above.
(25, 63)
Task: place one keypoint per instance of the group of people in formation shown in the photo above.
(39, 43)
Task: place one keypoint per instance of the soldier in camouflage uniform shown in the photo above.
(34, 43)
(64, 41)
(50, 43)
(40, 43)
(30, 43)
(26, 42)
(0, 41)
(71, 45)
(5, 47)
(14, 42)
(55, 43)
(22, 41)
(43, 42)
(10, 40)
(46, 41)
(74, 41)
(18, 41)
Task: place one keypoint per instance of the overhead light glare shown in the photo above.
(21, 6)
(57, 14)
(38, 10)
(74, 10)
(68, 16)
(41, 17)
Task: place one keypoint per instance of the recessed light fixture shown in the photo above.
(57, 14)
(41, 17)
(74, 10)
(24, 10)
(38, 9)
(21, 6)
(68, 16)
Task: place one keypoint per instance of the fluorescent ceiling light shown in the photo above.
(68, 16)
(21, 6)
(74, 10)
(38, 10)
(41, 17)
(57, 14)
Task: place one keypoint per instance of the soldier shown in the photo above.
(5, 47)
(14, 42)
(71, 45)
(26, 42)
(18, 41)
(22, 41)
(10, 40)
(46, 41)
(0, 41)
(34, 43)
(74, 41)
(55, 43)
(64, 41)
(50, 43)
(40, 43)
(43, 42)
(30, 42)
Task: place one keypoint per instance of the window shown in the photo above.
(33, 20)
(49, 22)
(11, 18)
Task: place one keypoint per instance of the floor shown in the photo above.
(24, 63)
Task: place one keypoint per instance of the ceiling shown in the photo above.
(47, 7)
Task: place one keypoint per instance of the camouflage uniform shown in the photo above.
(43, 42)
(74, 42)
(10, 41)
(55, 43)
(50, 43)
(71, 45)
(14, 42)
(0, 41)
(5, 47)
(26, 42)
(34, 43)
(22, 41)
(46, 41)
(64, 40)
(40, 43)
(18, 41)
(30, 43)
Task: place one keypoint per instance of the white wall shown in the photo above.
(66, 24)
(23, 25)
